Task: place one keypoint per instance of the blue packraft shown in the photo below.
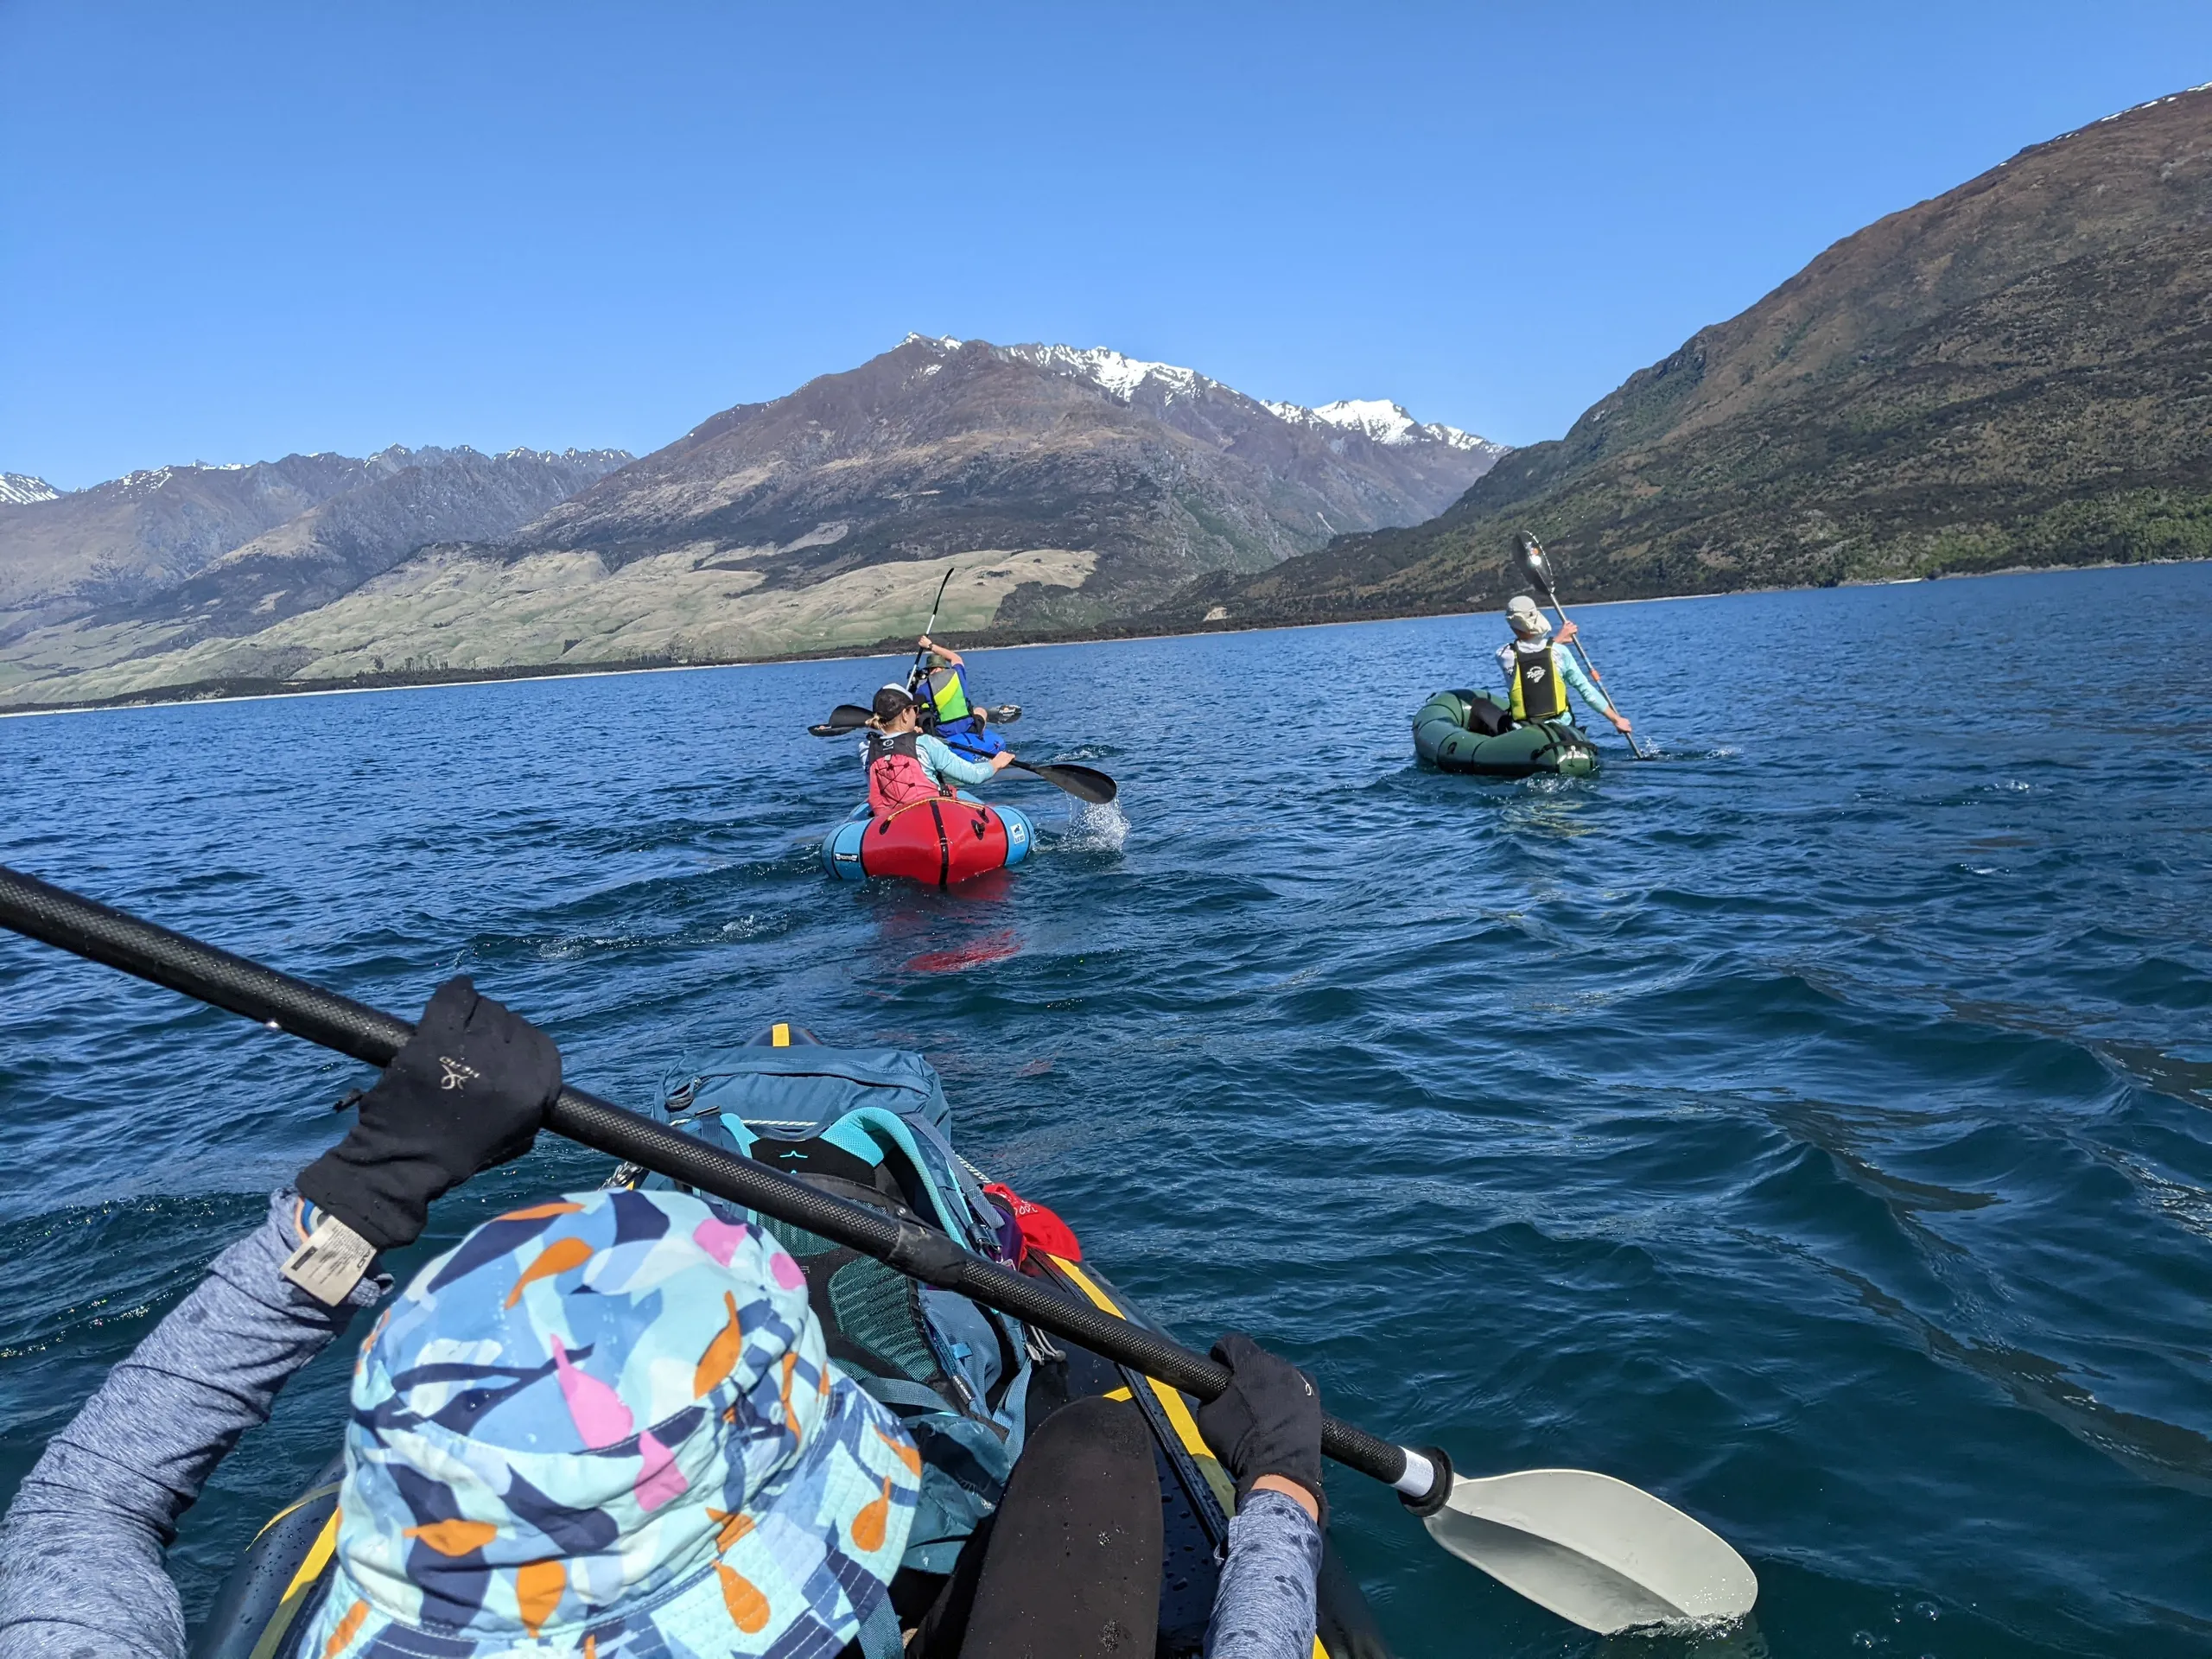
(873, 1126)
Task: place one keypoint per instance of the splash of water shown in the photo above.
(1093, 828)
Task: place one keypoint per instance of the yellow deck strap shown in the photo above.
(1117, 1394)
(295, 1593)
(1170, 1400)
(297, 1503)
(779, 1035)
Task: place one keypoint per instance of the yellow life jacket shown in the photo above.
(1539, 693)
(948, 693)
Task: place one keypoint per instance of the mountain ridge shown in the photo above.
(2012, 372)
(1072, 487)
(20, 489)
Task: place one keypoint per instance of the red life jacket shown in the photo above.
(896, 777)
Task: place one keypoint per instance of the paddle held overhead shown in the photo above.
(1528, 554)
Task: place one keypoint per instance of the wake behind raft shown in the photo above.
(1474, 732)
(938, 841)
(873, 1126)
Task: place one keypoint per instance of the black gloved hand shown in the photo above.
(468, 1090)
(1268, 1421)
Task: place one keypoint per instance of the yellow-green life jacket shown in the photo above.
(1539, 693)
(949, 695)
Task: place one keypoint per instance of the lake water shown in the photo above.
(1812, 1125)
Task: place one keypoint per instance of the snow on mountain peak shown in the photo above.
(1121, 376)
(1380, 419)
(20, 489)
(1383, 421)
(1116, 375)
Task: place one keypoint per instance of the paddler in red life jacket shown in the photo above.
(906, 765)
(1538, 670)
(941, 688)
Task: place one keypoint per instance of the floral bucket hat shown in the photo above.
(606, 1425)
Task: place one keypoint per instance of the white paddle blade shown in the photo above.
(1596, 1551)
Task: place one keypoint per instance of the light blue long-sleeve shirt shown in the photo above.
(1563, 659)
(942, 764)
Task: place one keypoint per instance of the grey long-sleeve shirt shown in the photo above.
(1265, 1607)
(82, 1548)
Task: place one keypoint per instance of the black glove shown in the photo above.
(469, 1090)
(1267, 1422)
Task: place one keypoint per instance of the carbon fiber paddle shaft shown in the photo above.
(97, 933)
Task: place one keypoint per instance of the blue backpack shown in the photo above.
(873, 1126)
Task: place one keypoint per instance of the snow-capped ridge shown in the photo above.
(20, 489)
(1122, 376)
(1384, 423)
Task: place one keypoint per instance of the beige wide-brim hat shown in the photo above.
(1520, 611)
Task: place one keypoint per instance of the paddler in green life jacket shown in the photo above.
(940, 687)
(1538, 670)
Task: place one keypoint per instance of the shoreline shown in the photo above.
(183, 697)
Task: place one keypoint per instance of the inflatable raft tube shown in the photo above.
(264, 1609)
(1448, 734)
(936, 842)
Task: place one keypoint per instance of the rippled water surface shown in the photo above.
(1810, 1125)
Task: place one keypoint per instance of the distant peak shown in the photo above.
(20, 489)
(1384, 422)
(618, 457)
(1111, 371)
(1121, 377)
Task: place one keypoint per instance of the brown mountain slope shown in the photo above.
(396, 501)
(942, 447)
(2019, 371)
(1070, 486)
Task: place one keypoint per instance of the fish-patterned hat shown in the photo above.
(606, 1425)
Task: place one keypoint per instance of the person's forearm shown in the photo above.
(1265, 1606)
(81, 1546)
(1583, 684)
(946, 764)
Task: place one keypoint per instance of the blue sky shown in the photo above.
(230, 231)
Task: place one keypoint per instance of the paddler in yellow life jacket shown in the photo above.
(941, 687)
(1538, 669)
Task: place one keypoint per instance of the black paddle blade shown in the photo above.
(1084, 783)
(845, 717)
(1006, 714)
(1529, 553)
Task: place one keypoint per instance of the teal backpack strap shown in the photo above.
(880, 1637)
(897, 1391)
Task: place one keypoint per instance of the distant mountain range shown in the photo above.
(2019, 372)
(1073, 487)
(121, 578)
